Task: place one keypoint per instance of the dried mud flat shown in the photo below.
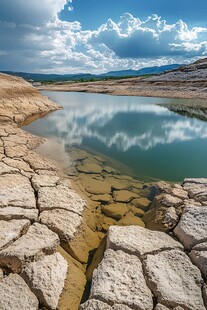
(154, 251)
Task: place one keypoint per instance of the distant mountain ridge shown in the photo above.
(38, 77)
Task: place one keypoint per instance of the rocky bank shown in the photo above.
(189, 81)
(48, 232)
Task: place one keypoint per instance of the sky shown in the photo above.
(96, 36)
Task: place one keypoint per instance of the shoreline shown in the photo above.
(52, 230)
(135, 87)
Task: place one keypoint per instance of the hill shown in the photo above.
(38, 77)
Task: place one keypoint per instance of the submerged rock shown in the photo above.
(115, 210)
(124, 196)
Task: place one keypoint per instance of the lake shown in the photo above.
(137, 133)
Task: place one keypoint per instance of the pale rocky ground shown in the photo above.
(48, 230)
(164, 270)
(38, 208)
(185, 82)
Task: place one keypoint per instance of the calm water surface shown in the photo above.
(150, 140)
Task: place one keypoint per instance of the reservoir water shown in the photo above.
(138, 132)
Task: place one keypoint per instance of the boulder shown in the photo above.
(12, 230)
(191, 229)
(115, 210)
(63, 222)
(16, 191)
(37, 242)
(161, 307)
(60, 197)
(174, 280)
(124, 196)
(171, 201)
(199, 258)
(119, 279)
(16, 295)
(139, 241)
(170, 218)
(14, 213)
(46, 278)
(94, 304)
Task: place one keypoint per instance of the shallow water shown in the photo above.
(146, 139)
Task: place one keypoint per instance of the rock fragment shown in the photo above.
(12, 230)
(14, 213)
(60, 197)
(119, 279)
(16, 295)
(199, 258)
(63, 222)
(139, 241)
(37, 242)
(39, 181)
(115, 210)
(174, 280)
(16, 191)
(124, 195)
(46, 278)
(191, 228)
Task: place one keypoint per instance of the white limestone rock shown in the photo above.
(39, 181)
(5, 169)
(199, 258)
(160, 307)
(174, 280)
(119, 280)
(191, 229)
(11, 213)
(37, 162)
(16, 191)
(63, 222)
(46, 278)
(171, 201)
(16, 295)
(94, 304)
(37, 242)
(139, 241)
(60, 197)
(12, 230)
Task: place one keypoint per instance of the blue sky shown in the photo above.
(72, 36)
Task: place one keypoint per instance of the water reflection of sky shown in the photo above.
(132, 125)
(124, 123)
